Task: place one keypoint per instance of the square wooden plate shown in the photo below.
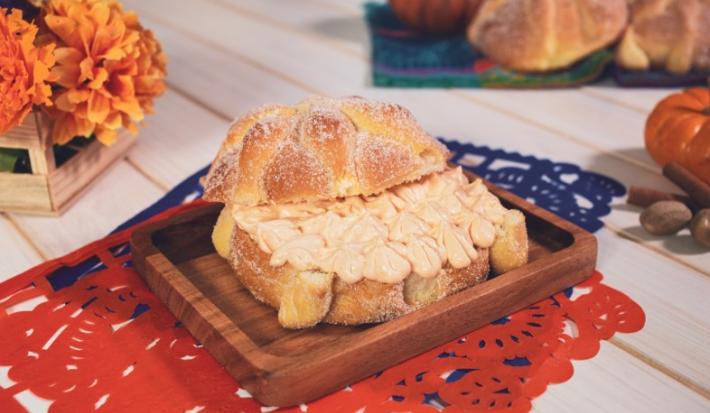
(281, 367)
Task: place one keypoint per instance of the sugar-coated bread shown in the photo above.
(321, 148)
(344, 211)
(670, 34)
(510, 249)
(544, 35)
(305, 298)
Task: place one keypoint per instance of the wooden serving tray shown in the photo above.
(281, 367)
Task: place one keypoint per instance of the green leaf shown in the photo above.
(8, 158)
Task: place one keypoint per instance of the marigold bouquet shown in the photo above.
(88, 64)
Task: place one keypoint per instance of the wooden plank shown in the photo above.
(169, 151)
(38, 160)
(20, 255)
(642, 100)
(23, 136)
(341, 24)
(43, 124)
(116, 196)
(612, 130)
(675, 303)
(71, 179)
(204, 294)
(235, 78)
(30, 193)
(614, 382)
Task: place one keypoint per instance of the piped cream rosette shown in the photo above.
(414, 228)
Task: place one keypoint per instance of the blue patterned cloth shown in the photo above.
(565, 189)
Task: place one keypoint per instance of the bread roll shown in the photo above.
(365, 301)
(321, 148)
(305, 236)
(544, 35)
(670, 34)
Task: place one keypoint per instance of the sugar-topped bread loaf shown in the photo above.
(344, 211)
(321, 148)
(669, 34)
(544, 35)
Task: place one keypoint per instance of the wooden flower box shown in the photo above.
(50, 188)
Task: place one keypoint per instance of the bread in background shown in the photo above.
(669, 34)
(545, 35)
(322, 148)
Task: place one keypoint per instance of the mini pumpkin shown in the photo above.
(436, 16)
(678, 130)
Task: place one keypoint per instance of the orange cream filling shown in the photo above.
(413, 228)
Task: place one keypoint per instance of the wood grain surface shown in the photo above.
(282, 367)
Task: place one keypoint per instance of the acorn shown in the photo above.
(700, 227)
(665, 217)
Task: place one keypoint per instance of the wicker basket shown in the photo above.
(49, 189)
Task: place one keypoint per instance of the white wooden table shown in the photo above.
(228, 56)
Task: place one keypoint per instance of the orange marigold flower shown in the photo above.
(24, 69)
(109, 69)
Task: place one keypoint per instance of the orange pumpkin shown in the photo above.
(435, 16)
(678, 130)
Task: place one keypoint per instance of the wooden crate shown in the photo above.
(50, 190)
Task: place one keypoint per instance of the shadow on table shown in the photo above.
(622, 164)
(679, 244)
(350, 29)
(627, 208)
(611, 163)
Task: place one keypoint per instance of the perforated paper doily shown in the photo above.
(83, 333)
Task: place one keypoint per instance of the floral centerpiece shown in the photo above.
(87, 70)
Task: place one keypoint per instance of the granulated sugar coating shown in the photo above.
(321, 148)
(306, 234)
(535, 36)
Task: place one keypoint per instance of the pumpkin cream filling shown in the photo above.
(414, 228)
